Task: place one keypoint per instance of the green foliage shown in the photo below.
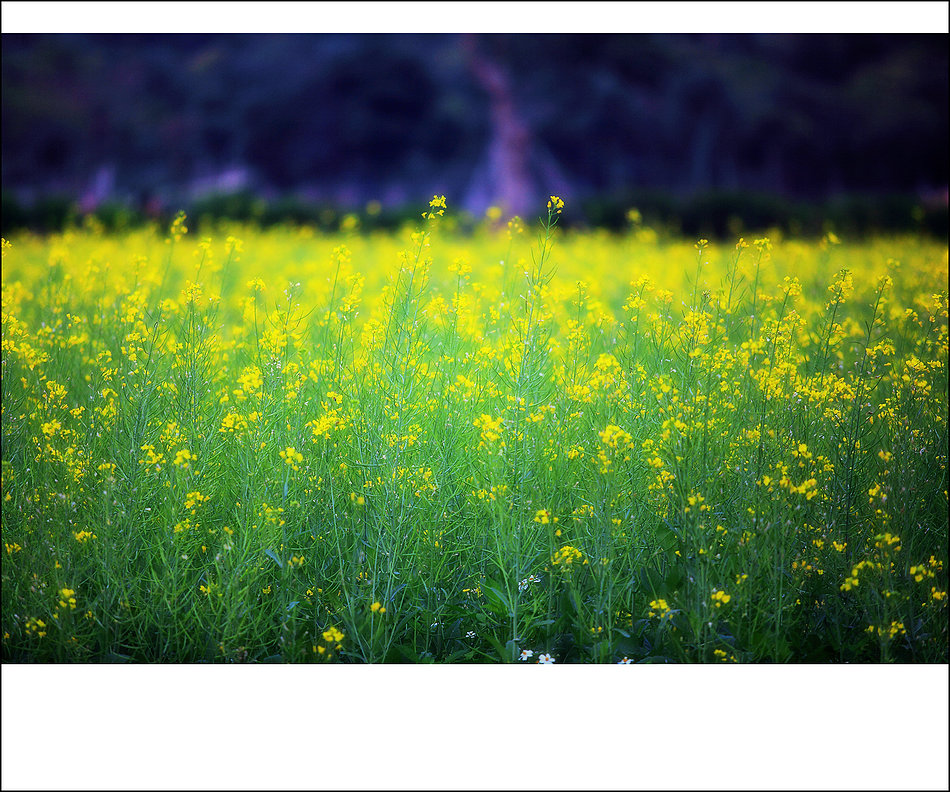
(748, 466)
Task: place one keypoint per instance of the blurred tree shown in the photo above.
(494, 118)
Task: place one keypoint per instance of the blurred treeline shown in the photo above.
(705, 134)
(714, 215)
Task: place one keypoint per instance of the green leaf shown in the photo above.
(568, 605)
(456, 656)
(511, 649)
(652, 581)
(502, 654)
(675, 579)
(497, 600)
(666, 537)
(273, 556)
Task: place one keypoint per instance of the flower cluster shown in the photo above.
(659, 609)
(567, 557)
(720, 598)
(436, 207)
(292, 457)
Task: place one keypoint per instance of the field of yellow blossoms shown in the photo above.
(516, 444)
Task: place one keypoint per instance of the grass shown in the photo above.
(293, 446)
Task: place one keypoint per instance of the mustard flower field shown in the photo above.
(518, 443)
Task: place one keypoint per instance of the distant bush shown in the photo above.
(713, 215)
(723, 215)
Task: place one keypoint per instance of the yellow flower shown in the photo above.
(36, 626)
(720, 598)
(233, 247)
(67, 598)
(490, 429)
(377, 607)
(193, 499)
(183, 457)
(292, 457)
(438, 204)
(615, 437)
(723, 656)
(567, 556)
(333, 635)
(178, 229)
(659, 609)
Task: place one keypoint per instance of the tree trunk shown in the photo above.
(504, 180)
